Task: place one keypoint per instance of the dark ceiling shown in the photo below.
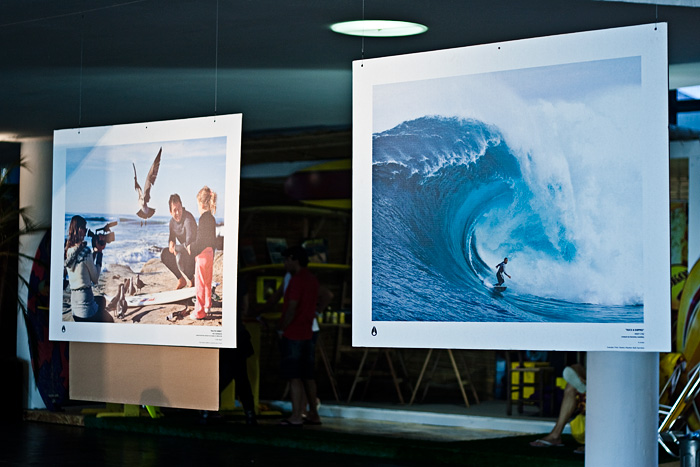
(74, 63)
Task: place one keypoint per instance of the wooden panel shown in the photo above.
(184, 377)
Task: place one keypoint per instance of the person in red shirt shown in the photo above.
(298, 355)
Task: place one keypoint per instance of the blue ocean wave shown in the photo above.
(450, 200)
(135, 243)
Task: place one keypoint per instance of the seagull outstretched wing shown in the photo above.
(151, 177)
(145, 211)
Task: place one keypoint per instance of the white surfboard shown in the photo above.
(160, 298)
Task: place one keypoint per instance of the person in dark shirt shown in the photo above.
(298, 357)
(183, 229)
(233, 362)
(202, 250)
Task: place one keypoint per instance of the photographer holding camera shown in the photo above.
(83, 265)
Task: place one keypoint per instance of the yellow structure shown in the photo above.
(528, 378)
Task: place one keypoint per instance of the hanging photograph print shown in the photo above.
(519, 195)
(144, 233)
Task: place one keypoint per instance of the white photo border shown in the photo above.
(224, 336)
(646, 41)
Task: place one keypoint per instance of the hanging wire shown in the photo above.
(657, 17)
(216, 61)
(363, 35)
(80, 91)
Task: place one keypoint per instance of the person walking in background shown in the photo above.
(324, 299)
(298, 312)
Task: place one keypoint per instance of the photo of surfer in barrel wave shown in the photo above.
(141, 193)
(466, 168)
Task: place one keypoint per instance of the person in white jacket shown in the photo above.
(83, 264)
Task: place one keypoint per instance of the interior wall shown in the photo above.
(35, 197)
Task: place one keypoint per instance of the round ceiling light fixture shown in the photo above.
(379, 28)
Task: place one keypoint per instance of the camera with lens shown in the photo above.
(103, 235)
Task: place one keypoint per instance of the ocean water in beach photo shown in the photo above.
(135, 242)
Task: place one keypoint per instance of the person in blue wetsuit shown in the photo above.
(500, 270)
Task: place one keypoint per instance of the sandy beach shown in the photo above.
(157, 278)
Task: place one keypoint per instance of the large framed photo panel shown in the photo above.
(514, 195)
(144, 233)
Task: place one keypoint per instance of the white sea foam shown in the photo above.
(586, 182)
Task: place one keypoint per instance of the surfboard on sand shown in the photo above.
(160, 298)
(499, 288)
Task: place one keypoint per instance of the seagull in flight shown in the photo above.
(145, 212)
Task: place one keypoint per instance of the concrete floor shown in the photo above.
(426, 422)
(431, 421)
(438, 422)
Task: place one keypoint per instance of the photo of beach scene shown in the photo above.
(123, 193)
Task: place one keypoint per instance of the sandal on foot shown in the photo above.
(543, 443)
(286, 422)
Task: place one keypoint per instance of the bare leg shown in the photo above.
(296, 389)
(310, 388)
(304, 404)
(568, 407)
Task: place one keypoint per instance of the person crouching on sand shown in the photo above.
(203, 252)
(183, 229)
(83, 265)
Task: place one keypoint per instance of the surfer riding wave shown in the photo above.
(500, 270)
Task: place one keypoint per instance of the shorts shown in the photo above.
(298, 358)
